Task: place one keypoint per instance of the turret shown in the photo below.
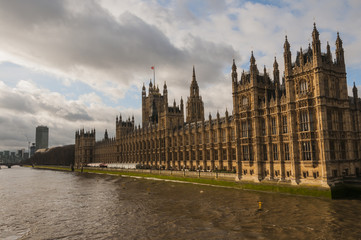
(329, 55)
(195, 108)
(340, 60)
(355, 94)
(316, 46)
(287, 58)
(234, 73)
(144, 93)
(194, 89)
(300, 58)
(106, 135)
(182, 105)
(165, 94)
(276, 72)
(253, 67)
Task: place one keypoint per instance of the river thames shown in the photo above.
(42, 204)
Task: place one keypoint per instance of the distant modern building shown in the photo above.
(32, 149)
(42, 137)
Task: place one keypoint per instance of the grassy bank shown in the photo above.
(281, 188)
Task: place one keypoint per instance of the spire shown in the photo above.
(253, 67)
(234, 72)
(300, 59)
(339, 51)
(252, 60)
(276, 72)
(194, 74)
(106, 134)
(150, 84)
(286, 46)
(144, 93)
(181, 105)
(275, 64)
(194, 89)
(354, 91)
(316, 45)
(315, 33)
(328, 54)
(287, 57)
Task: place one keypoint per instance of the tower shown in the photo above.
(153, 104)
(84, 147)
(195, 108)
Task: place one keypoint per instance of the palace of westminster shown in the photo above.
(302, 128)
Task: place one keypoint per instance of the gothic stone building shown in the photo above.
(301, 129)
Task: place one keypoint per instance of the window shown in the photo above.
(304, 126)
(224, 154)
(265, 152)
(214, 136)
(340, 121)
(215, 154)
(233, 154)
(287, 151)
(332, 150)
(326, 87)
(186, 140)
(334, 173)
(329, 119)
(274, 126)
(263, 126)
(275, 152)
(232, 134)
(223, 131)
(244, 129)
(192, 139)
(250, 153)
(249, 129)
(199, 136)
(245, 153)
(303, 87)
(306, 150)
(284, 124)
(355, 149)
(206, 136)
(343, 150)
(244, 101)
(208, 155)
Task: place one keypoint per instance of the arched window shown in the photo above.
(303, 87)
(244, 101)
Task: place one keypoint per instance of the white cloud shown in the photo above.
(110, 45)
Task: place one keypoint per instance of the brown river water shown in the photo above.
(43, 204)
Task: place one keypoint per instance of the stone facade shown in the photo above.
(302, 128)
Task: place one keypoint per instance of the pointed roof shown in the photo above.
(315, 32)
(252, 60)
(275, 64)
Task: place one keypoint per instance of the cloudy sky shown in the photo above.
(74, 64)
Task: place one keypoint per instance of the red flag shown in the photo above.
(152, 67)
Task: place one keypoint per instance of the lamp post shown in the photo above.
(184, 170)
(199, 171)
(216, 171)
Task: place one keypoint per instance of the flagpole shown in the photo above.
(154, 75)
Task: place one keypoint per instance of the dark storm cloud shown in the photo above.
(83, 38)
